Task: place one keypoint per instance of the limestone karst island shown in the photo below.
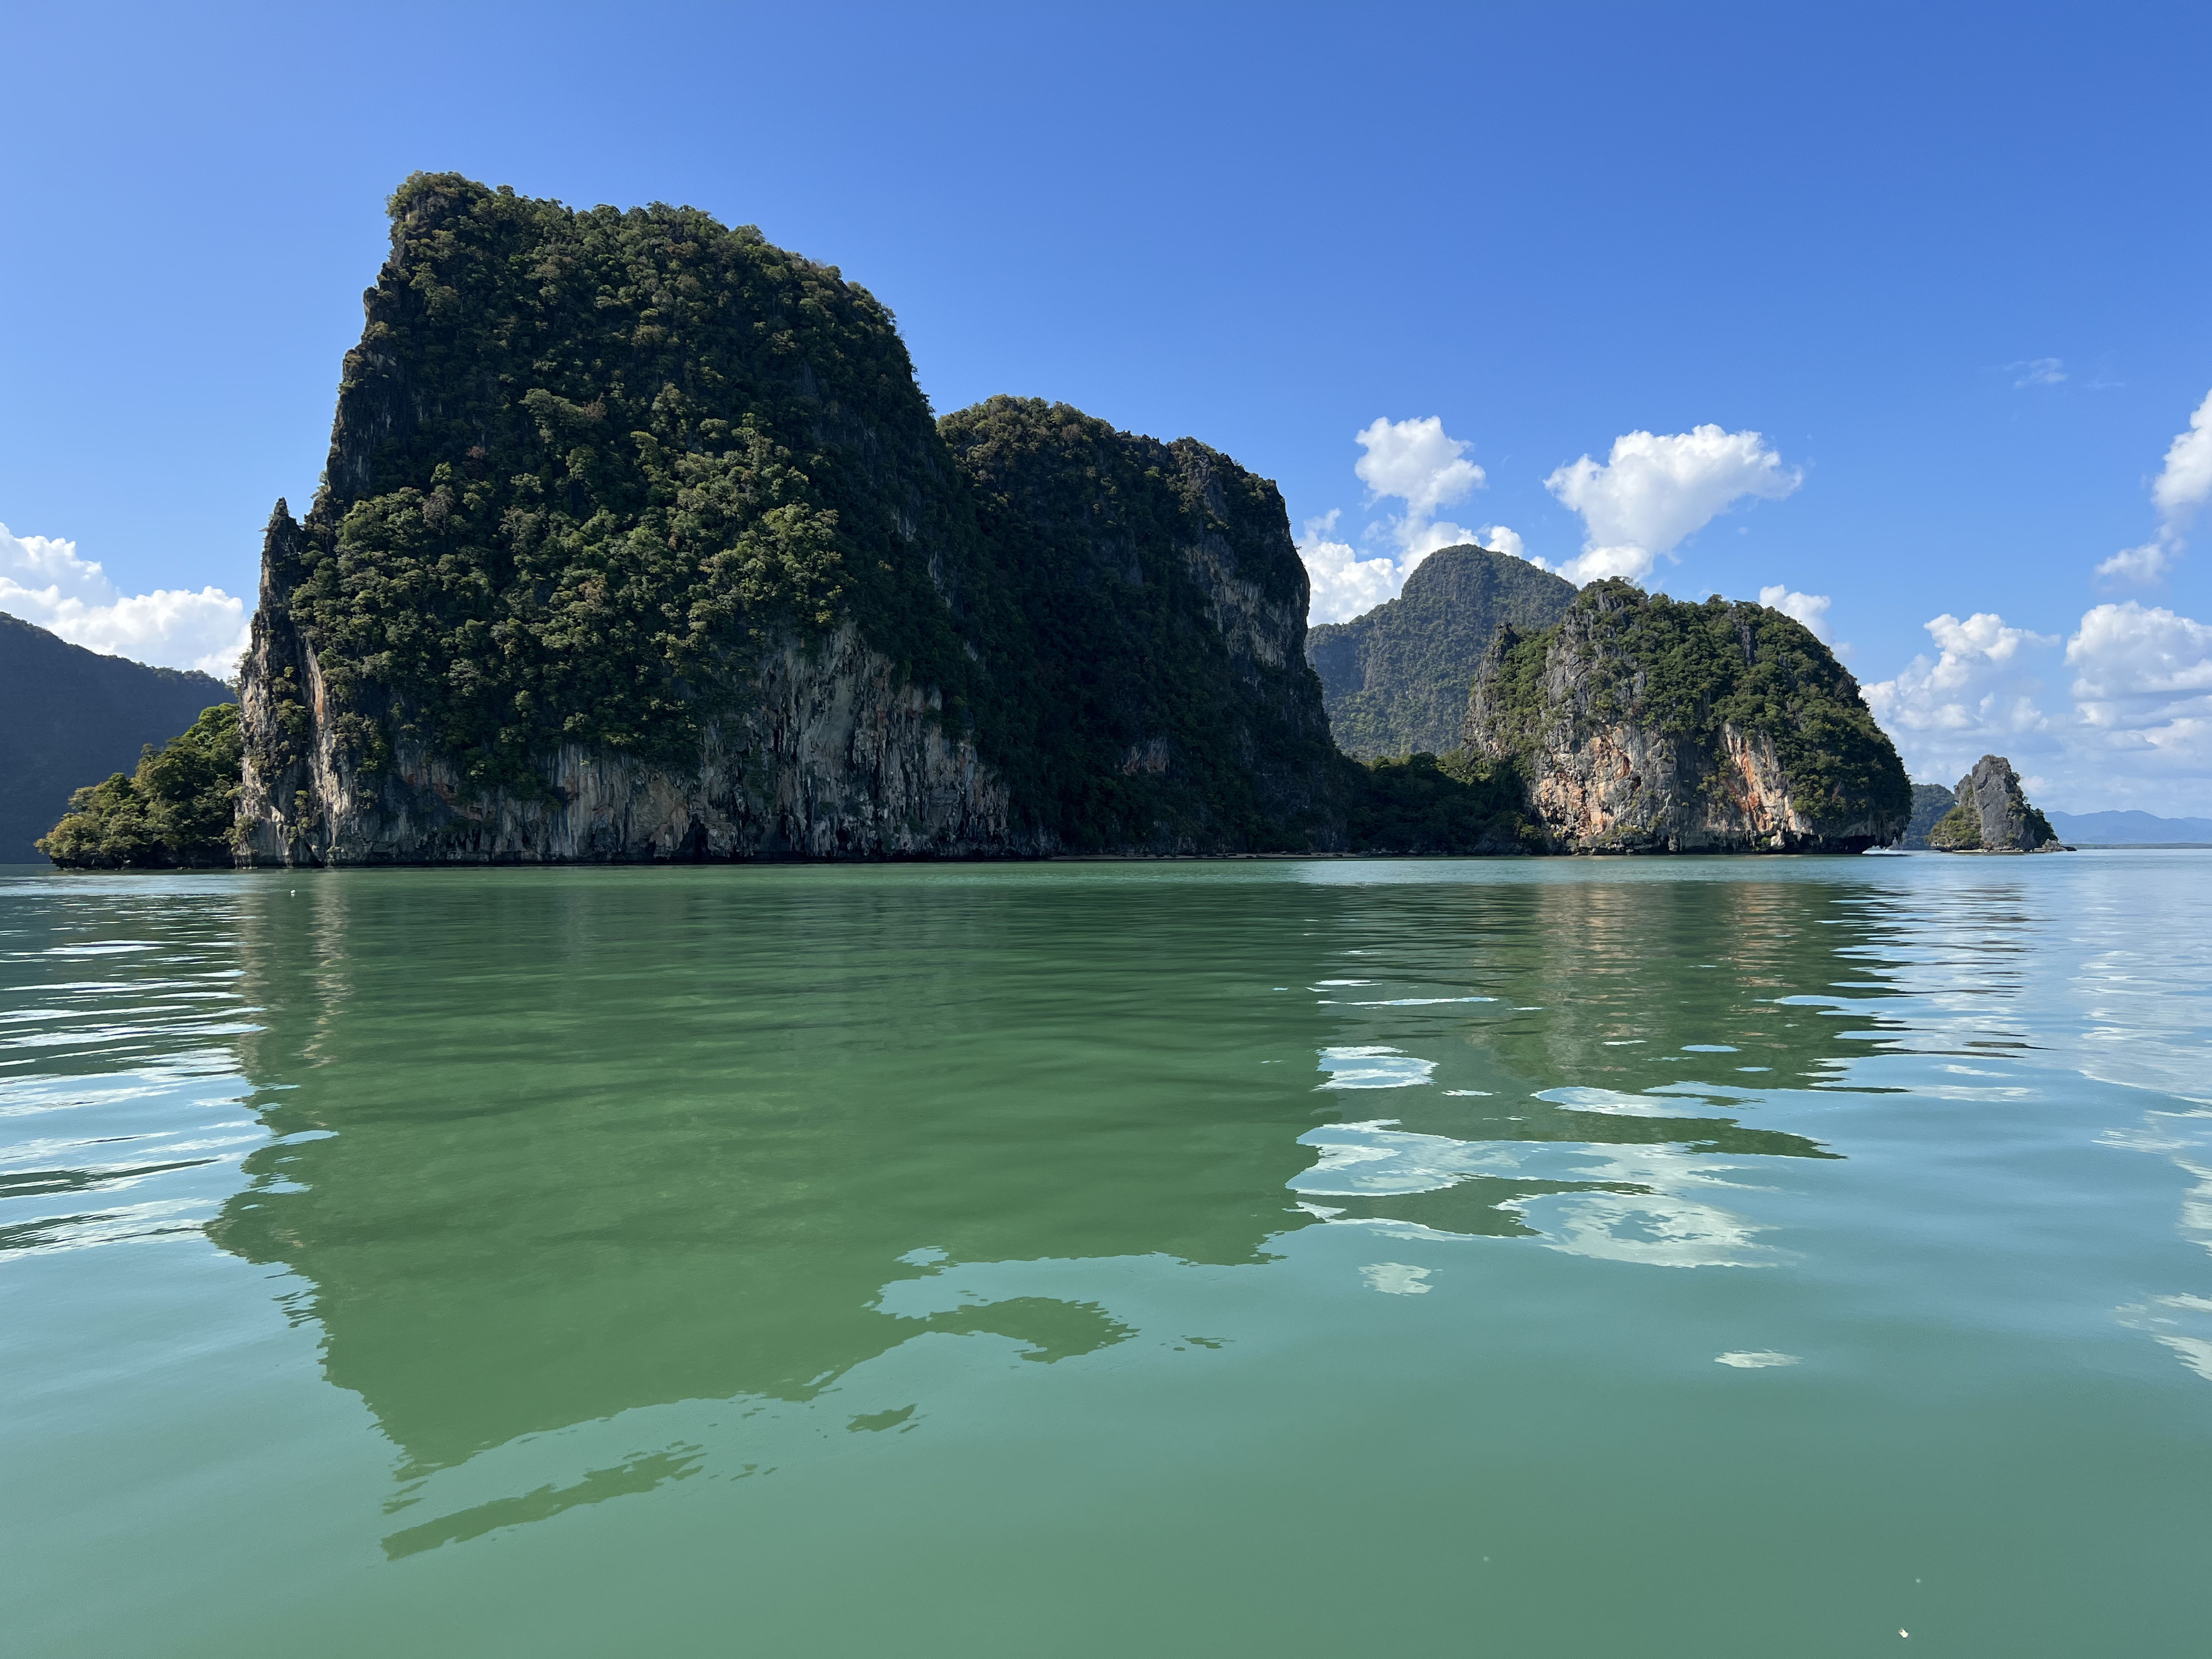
(638, 541)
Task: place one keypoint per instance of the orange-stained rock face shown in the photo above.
(1601, 777)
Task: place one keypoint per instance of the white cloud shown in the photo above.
(1500, 539)
(2128, 657)
(2138, 731)
(2038, 371)
(1344, 584)
(1424, 467)
(1417, 462)
(1811, 608)
(1976, 697)
(2185, 483)
(2142, 692)
(2146, 563)
(1654, 490)
(2182, 487)
(44, 582)
(1417, 538)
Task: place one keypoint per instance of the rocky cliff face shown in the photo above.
(1394, 680)
(1992, 815)
(836, 755)
(1641, 724)
(638, 541)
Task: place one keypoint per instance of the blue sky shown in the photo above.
(1909, 303)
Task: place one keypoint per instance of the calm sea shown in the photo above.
(1666, 1257)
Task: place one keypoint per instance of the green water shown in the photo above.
(1653, 1258)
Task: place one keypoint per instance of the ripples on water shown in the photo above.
(1100, 1257)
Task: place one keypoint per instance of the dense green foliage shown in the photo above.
(1930, 801)
(1120, 717)
(582, 458)
(74, 714)
(1684, 670)
(1394, 680)
(1460, 803)
(1959, 830)
(177, 809)
(588, 465)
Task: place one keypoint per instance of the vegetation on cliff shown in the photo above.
(1958, 830)
(1458, 802)
(1930, 802)
(582, 460)
(1993, 814)
(74, 715)
(176, 810)
(1394, 680)
(1140, 634)
(1685, 670)
(587, 467)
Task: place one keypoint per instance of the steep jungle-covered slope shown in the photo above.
(1395, 680)
(638, 540)
(1930, 801)
(73, 717)
(177, 811)
(1150, 648)
(1642, 723)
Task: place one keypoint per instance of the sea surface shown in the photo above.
(1667, 1256)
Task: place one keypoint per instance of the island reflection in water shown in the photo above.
(683, 1138)
(1149, 1255)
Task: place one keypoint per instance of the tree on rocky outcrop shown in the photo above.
(1645, 724)
(1930, 801)
(175, 811)
(1992, 815)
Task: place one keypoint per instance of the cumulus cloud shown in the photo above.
(1418, 462)
(2133, 657)
(2037, 371)
(2179, 491)
(1811, 608)
(2132, 728)
(1500, 539)
(1654, 490)
(44, 582)
(1427, 469)
(1414, 462)
(1976, 695)
(1344, 584)
(2184, 483)
(2143, 693)
(2146, 563)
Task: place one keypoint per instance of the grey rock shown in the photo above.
(1993, 815)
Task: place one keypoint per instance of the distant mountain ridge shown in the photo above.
(1395, 681)
(1930, 801)
(2129, 829)
(75, 717)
